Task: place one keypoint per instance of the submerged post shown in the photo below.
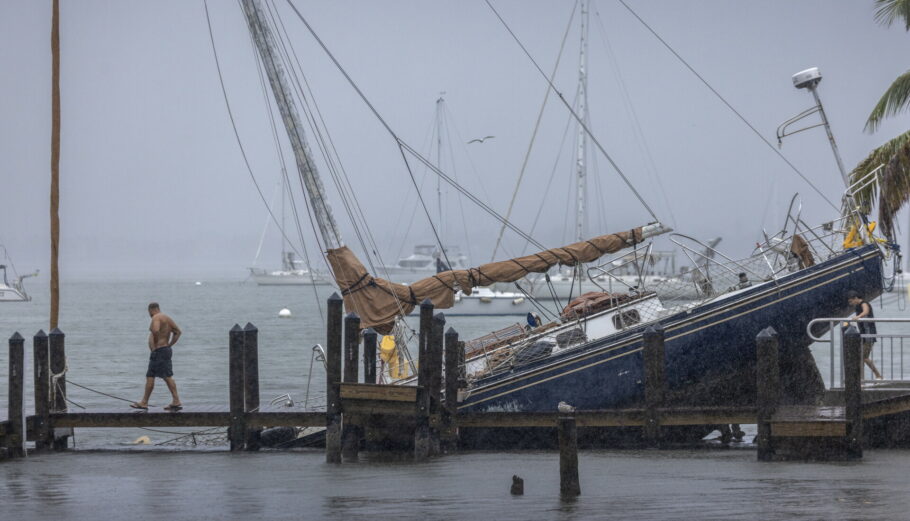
(251, 381)
(422, 432)
(369, 356)
(568, 456)
(435, 350)
(853, 391)
(350, 432)
(767, 373)
(332, 379)
(448, 438)
(236, 429)
(57, 352)
(654, 362)
(41, 361)
(16, 435)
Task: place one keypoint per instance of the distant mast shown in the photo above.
(580, 159)
(284, 98)
(55, 163)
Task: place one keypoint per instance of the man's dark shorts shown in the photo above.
(160, 363)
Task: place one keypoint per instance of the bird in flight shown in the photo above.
(481, 140)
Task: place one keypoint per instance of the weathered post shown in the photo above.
(236, 429)
(767, 374)
(57, 355)
(568, 456)
(332, 379)
(16, 435)
(350, 432)
(251, 381)
(450, 406)
(41, 361)
(422, 432)
(654, 361)
(853, 391)
(435, 353)
(370, 346)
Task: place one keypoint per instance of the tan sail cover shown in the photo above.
(378, 301)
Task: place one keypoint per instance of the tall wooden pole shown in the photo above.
(55, 162)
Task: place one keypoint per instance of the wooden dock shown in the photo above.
(366, 415)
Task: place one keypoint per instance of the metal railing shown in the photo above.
(888, 352)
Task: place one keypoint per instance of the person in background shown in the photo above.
(862, 309)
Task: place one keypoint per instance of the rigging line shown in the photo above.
(574, 114)
(234, 125)
(464, 221)
(729, 106)
(524, 163)
(327, 145)
(630, 108)
(546, 191)
(406, 202)
(400, 141)
(423, 204)
(265, 227)
(473, 198)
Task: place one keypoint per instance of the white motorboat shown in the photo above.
(13, 291)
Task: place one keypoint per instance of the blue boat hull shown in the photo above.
(710, 350)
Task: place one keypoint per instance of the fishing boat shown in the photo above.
(13, 290)
(590, 354)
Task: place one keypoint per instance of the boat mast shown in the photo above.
(284, 98)
(55, 163)
(581, 167)
(439, 107)
(580, 158)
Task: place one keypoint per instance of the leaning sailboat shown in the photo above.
(591, 354)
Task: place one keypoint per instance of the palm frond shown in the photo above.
(890, 10)
(894, 189)
(896, 98)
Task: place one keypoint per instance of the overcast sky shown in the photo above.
(153, 182)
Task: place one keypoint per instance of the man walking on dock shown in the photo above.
(163, 334)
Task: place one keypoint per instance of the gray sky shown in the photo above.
(152, 181)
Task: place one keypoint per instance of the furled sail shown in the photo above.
(379, 301)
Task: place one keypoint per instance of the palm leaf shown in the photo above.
(890, 10)
(894, 188)
(896, 98)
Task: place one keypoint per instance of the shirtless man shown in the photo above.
(163, 333)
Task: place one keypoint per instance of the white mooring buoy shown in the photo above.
(198, 283)
(284, 313)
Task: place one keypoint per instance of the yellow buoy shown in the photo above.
(142, 440)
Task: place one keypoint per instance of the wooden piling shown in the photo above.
(350, 431)
(41, 362)
(422, 432)
(15, 434)
(435, 350)
(236, 429)
(333, 357)
(57, 355)
(251, 381)
(448, 435)
(853, 390)
(369, 355)
(655, 384)
(767, 374)
(568, 456)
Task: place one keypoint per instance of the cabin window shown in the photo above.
(626, 318)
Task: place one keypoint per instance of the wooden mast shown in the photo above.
(55, 162)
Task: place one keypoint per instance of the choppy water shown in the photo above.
(108, 477)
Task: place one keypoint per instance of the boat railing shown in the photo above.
(890, 352)
(611, 270)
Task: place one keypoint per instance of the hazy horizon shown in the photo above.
(153, 183)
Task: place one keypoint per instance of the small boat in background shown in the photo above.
(13, 291)
(293, 272)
